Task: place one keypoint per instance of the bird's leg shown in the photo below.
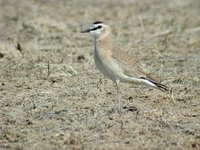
(118, 96)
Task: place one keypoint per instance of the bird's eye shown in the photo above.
(99, 27)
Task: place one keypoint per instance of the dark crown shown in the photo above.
(97, 22)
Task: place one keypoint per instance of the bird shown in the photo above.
(116, 64)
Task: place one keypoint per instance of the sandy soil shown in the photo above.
(49, 96)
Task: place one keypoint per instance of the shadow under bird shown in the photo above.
(116, 64)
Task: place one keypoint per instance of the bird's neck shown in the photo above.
(103, 45)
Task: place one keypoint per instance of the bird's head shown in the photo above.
(97, 29)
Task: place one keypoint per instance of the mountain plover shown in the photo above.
(115, 64)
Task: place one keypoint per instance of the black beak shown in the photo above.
(85, 31)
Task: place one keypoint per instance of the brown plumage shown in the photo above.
(116, 64)
(129, 67)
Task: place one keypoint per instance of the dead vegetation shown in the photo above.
(49, 96)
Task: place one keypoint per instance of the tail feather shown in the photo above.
(160, 86)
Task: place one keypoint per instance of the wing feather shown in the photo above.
(128, 65)
(130, 68)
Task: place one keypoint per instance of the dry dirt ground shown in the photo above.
(49, 92)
